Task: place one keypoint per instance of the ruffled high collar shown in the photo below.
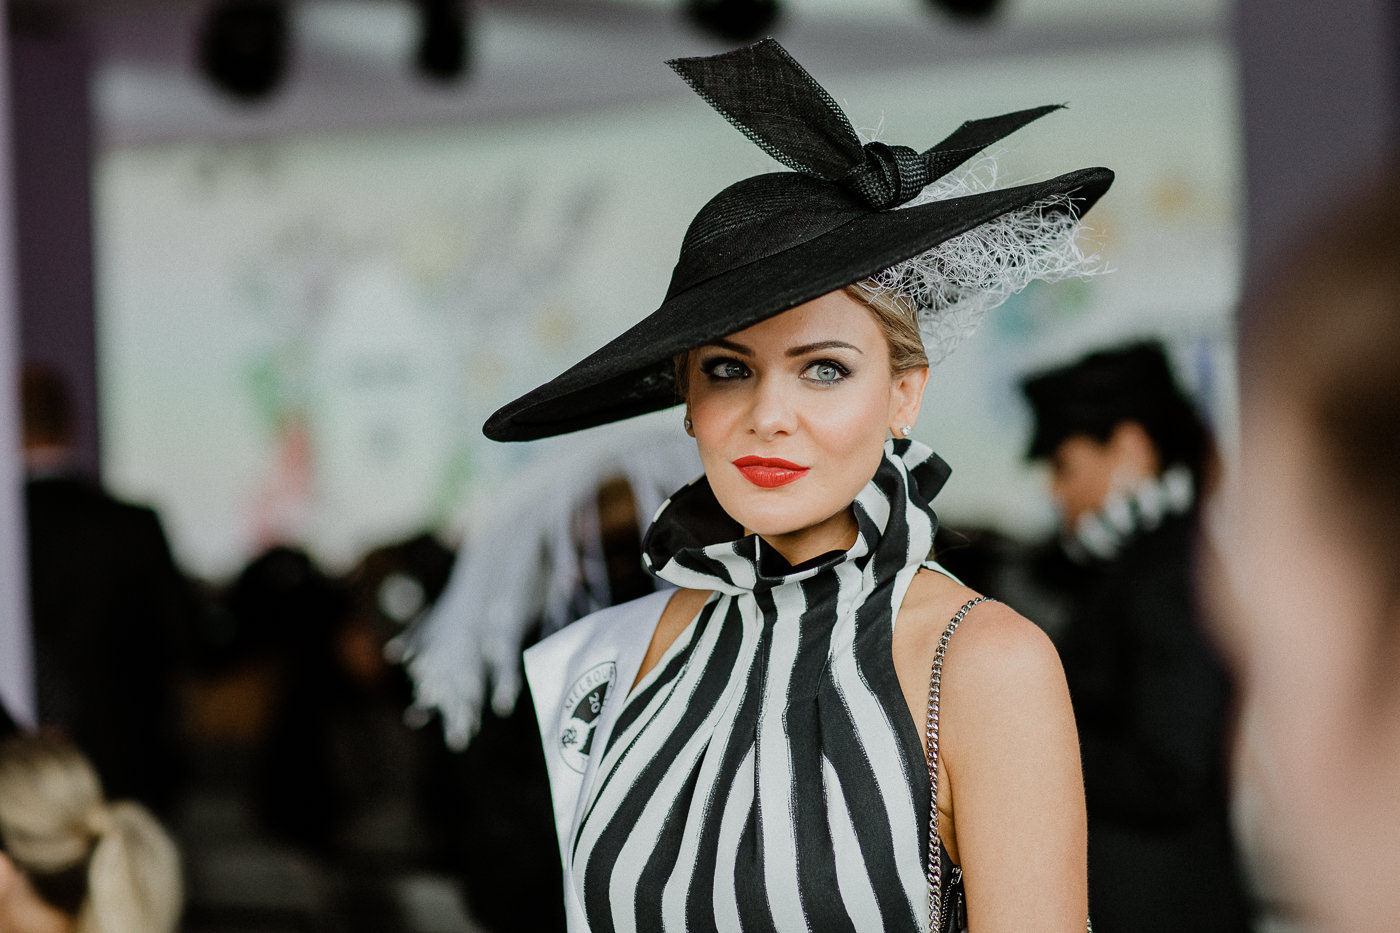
(693, 543)
(1125, 515)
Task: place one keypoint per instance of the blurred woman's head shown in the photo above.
(1310, 562)
(69, 859)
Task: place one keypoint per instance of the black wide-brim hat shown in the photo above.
(772, 242)
(1096, 393)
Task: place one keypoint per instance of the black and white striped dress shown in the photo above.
(766, 774)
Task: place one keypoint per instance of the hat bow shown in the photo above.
(772, 99)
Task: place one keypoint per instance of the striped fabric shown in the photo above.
(766, 775)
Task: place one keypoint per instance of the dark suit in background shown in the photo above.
(1151, 699)
(109, 609)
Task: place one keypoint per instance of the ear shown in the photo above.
(906, 397)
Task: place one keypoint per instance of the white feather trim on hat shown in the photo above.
(954, 284)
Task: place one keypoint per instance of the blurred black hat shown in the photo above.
(1097, 393)
(772, 242)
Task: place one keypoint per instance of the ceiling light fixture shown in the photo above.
(442, 41)
(736, 20)
(243, 47)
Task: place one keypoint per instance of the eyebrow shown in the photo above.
(802, 350)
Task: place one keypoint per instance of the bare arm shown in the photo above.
(1011, 796)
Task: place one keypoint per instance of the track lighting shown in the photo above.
(442, 42)
(243, 47)
(733, 19)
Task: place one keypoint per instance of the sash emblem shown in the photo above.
(582, 705)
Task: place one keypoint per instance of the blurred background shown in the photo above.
(308, 302)
(287, 257)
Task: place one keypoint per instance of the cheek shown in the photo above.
(1299, 632)
(712, 423)
(1067, 488)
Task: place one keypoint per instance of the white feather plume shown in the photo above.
(529, 547)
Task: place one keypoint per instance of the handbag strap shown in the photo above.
(935, 683)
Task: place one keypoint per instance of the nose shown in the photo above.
(771, 413)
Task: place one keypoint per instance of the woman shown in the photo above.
(72, 862)
(748, 751)
(1310, 583)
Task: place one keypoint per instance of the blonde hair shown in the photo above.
(895, 314)
(898, 320)
(111, 865)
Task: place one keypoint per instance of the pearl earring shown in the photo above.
(688, 425)
(906, 430)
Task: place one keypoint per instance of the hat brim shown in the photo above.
(632, 374)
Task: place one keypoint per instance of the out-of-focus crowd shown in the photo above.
(1230, 635)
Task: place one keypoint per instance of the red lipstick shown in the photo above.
(769, 472)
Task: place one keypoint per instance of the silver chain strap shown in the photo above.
(935, 683)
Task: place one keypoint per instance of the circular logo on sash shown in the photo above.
(582, 704)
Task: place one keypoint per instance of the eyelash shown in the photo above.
(841, 371)
(711, 368)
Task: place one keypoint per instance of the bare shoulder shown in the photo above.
(681, 608)
(1008, 752)
(999, 664)
(994, 644)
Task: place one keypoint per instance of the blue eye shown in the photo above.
(826, 372)
(721, 368)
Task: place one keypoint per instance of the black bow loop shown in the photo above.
(889, 175)
(772, 99)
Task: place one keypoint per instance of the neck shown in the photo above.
(837, 533)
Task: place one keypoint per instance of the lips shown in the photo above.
(769, 472)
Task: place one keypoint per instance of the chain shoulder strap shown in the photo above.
(935, 683)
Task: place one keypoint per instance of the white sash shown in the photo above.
(579, 678)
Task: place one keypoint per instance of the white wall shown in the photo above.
(301, 335)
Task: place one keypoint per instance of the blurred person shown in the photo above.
(391, 780)
(1305, 569)
(286, 612)
(110, 608)
(72, 861)
(1129, 457)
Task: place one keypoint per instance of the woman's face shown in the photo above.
(791, 416)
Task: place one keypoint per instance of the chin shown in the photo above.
(789, 512)
(770, 520)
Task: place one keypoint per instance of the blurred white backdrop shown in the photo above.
(307, 308)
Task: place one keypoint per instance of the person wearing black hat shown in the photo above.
(761, 749)
(1128, 456)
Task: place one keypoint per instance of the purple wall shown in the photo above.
(52, 119)
(16, 678)
(1321, 92)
